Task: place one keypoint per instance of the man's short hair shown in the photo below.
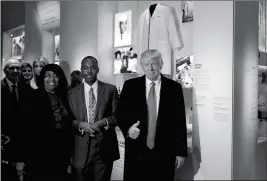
(152, 54)
(90, 57)
(9, 61)
(75, 72)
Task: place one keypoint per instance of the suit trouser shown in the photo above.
(153, 168)
(95, 168)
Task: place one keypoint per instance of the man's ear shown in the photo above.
(5, 69)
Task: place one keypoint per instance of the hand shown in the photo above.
(100, 124)
(179, 161)
(134, 131)
(89, 128)
(20, 166)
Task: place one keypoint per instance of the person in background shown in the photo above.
(124, 66)
(26, 73)
(13, 99)
(151, 115)
(117, 62)
(50, 127)
(75, 78)
(93, 104)
(132, 65)
(38, 64)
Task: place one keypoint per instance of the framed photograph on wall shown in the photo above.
(187, 11)
(18, 46)
(125, 60)
(184, 71)
(123, 29)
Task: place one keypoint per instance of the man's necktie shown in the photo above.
(14, 97)
(152, 116)
(92, 105)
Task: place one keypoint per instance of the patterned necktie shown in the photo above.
(92, 105)
(152, 116)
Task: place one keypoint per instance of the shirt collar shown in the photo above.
(10, 84)
(94, 86)
(148, 82)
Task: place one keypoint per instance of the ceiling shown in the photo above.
(12, 14)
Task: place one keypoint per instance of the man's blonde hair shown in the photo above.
(152, 54)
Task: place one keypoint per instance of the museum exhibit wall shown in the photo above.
(78, 33)
(7, 44)
(212, 92)
(48, 45)
(33, 33)
(245, 124)
(96, 33)
(225, 88)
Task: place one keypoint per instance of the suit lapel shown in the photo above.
(6, 87)
(100, 92)
(82, 100)
(143, 102)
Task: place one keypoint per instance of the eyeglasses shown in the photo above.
(13, 68)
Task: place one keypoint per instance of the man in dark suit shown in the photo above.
(151, 115)
(13, 99)
(93, 105)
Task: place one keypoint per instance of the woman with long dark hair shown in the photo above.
(50, 134)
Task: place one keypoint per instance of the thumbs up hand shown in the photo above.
(134, 131)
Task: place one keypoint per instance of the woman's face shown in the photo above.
(38, 67)
(118, 56)
(50, 81)
(27, 73)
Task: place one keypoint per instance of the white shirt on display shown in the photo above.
(159, 31)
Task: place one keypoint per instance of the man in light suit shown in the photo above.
(93, 105)
(151, 115)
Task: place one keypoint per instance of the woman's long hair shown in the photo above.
(41, 59)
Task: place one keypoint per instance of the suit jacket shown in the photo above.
(107, 100)
(170, 138)
(12, 122)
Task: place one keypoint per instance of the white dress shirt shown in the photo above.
(157, 90)
(87, 88)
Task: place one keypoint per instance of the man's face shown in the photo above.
(13, 71)
(89, 69)
(76, 78)
(151, 68)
